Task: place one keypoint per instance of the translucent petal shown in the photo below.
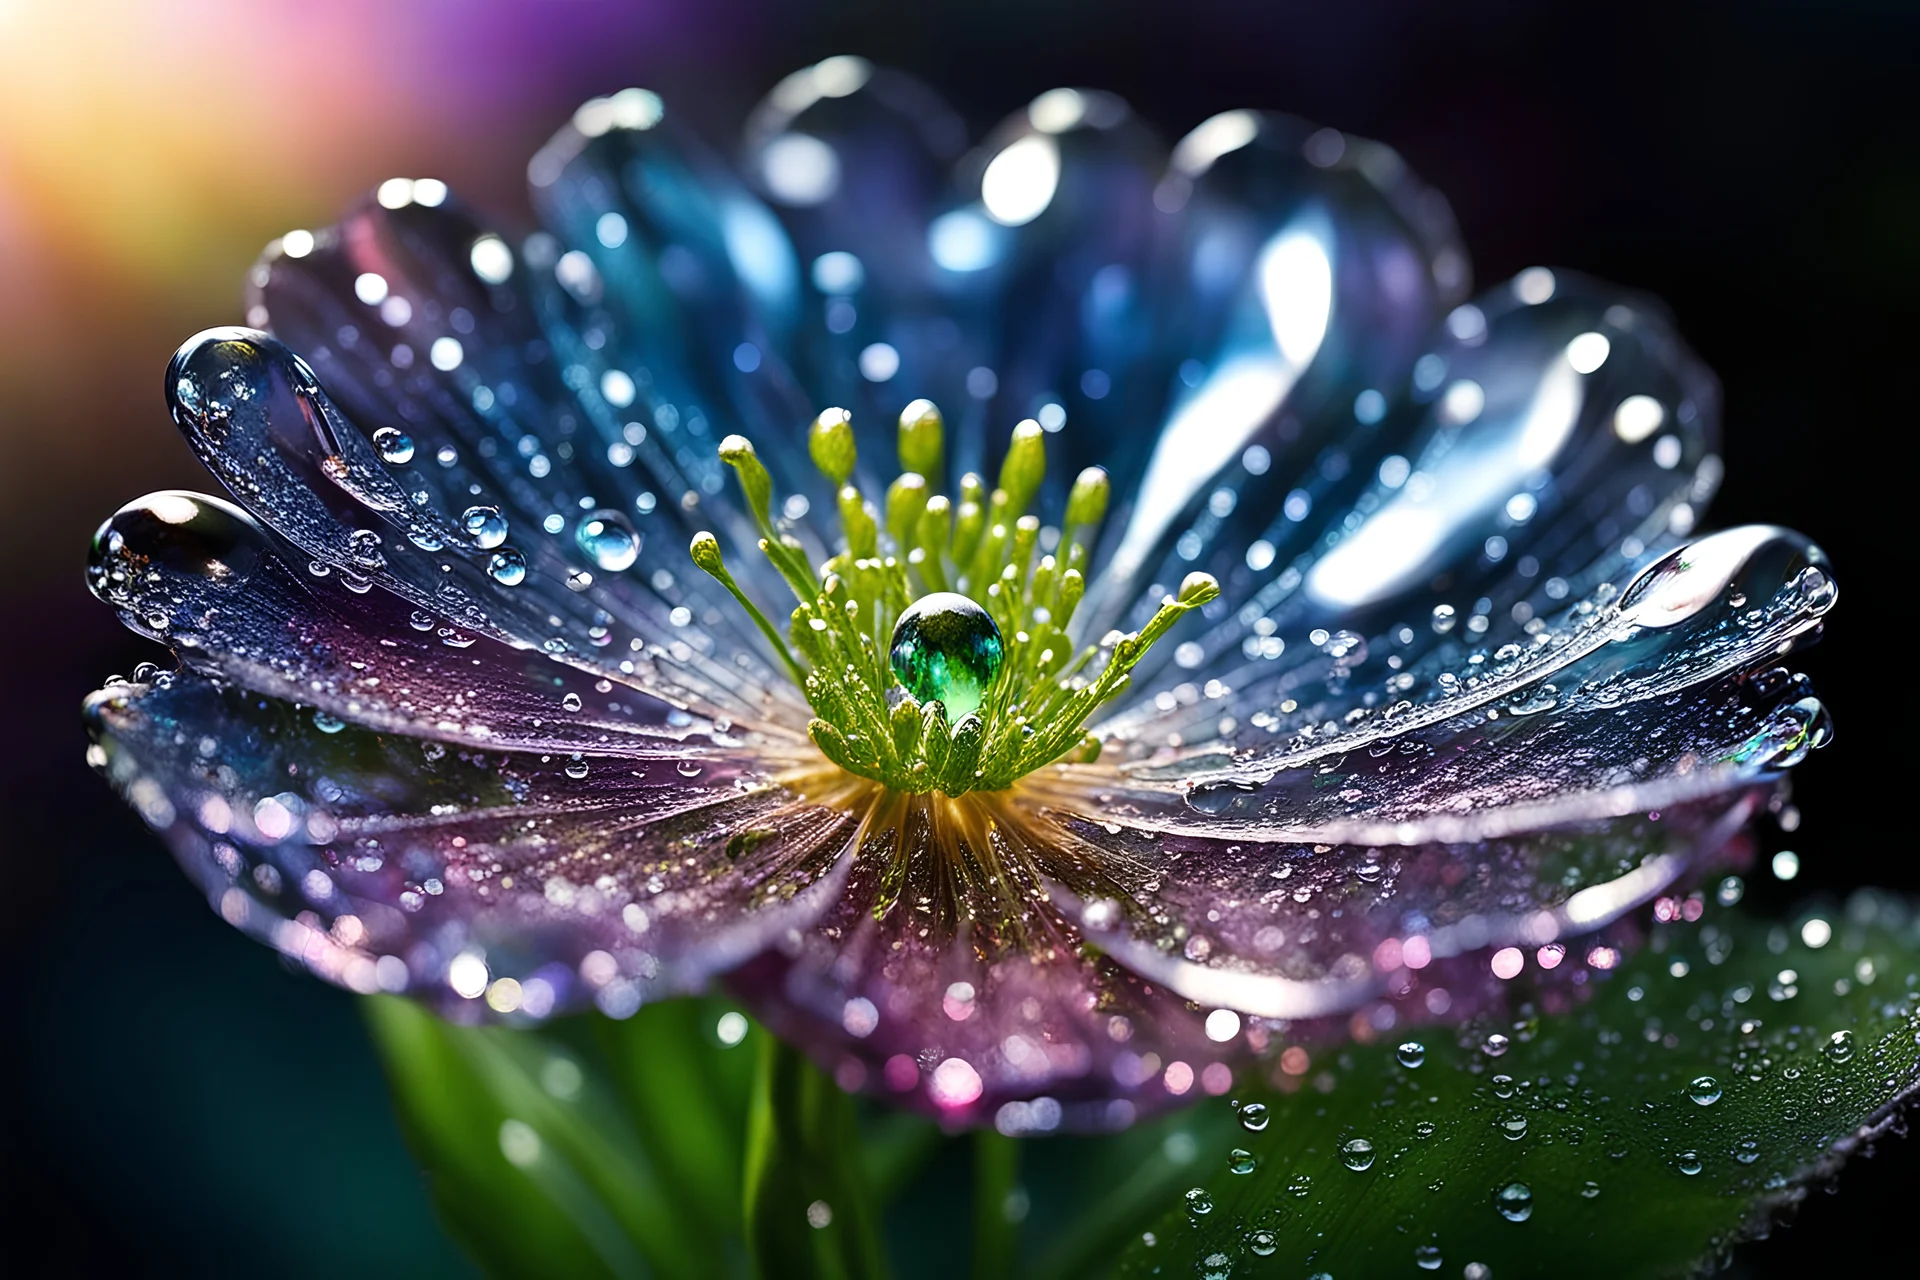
(1314, 930)
(681, 269)
(1722, 605)
(1499, 482)
(510, 881)
(1301, 270)
(856, 160)
(198, 574)
(946, 978)
(256, 415)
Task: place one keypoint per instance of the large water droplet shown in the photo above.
(395, 445)
(1262, 1244)
(1357, 1154)
(1199, 1203)
(1502, 1086)
(1704, 1090)
(1495, 1045)
(508, 567)
(1427, 1258)
(1512, 1125)
(1240, 1160)
(947, 649)
(1411, 1054)
(1839, 1046)
(1688, 1162)
(608, 540)
(485, 525)
(1253, 1117)
(1514, 1201)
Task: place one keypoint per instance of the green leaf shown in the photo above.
(807, 1208)
(575, 1149)
(1587, 1142)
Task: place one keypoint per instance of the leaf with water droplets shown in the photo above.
(1665, 1112)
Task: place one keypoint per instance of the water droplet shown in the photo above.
(1262, 1244)
(1411, 1054)
(576, 768)
(688, 768)
(421, 620)
(1443, 619)
(1427, 1258)
(1215, 1266)
(395, 446)
(1357, 1154)
(1512, 1125)
(571, 701)
(1704, 1090)
(1424, 1130)
(1588, 1190)
(1253, 1117)
(508, 567)
(1688, 1162)
(1199, 1203)
(485, 525)
(1495, 1045)
(1815, 589)
(1502, 1086)
(1514, 1201)
(364, 546)
(1840, 1046)
(1747, 1150)
(328, 723)
(608, 540)
(947, 649)
(1240, 1160)
(1300, 1186)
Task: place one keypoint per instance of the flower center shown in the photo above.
(934, 646)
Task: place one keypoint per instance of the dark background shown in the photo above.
(181, 1102)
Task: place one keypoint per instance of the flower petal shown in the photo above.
(946, 978)
(1303, 269)
(197, 574)
(1503, 453)
(256, 415)
(540, 882)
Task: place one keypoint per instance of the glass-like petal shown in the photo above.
(1556, 432)
(516, 881)
(946, 977)
(257, 416)
(197, 573)
(1302, 268)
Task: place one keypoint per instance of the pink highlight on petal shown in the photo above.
(1388, 955)
(1507, 963)
(901, 1073)
(1416, 952)
(1217, 1078)
(1550, 956)
(954, 1084)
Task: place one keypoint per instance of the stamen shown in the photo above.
(912, 685)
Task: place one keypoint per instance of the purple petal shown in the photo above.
(514, 881)
(198, 574)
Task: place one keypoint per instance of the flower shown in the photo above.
(1397, 668)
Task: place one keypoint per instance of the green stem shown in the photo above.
(996, 1237)
(808, 1213)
